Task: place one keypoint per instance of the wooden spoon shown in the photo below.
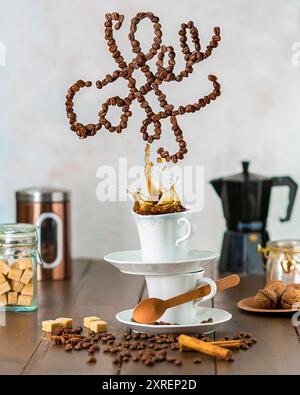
(151, 309)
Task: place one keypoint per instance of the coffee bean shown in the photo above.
(244, 346)
(94, 348)
(68, 347)
(149, 362)
(85, 345)
(178, 362)
(197, 360)
(91, 360)
(170, 359)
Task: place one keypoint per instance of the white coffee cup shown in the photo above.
(165, 287)
(164, 237)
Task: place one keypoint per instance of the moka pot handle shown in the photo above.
(289, 182)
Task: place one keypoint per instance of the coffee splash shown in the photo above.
(161, 200)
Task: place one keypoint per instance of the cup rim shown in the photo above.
(187, 211)
(178, 274)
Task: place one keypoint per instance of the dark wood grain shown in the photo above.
(22, 335)
(98, 288)
(102, 291)
(188, 367)
(277, 350)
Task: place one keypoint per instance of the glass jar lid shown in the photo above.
(289, 246)
(13, 235)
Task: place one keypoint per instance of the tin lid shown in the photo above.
(13, 235)
(42, 195)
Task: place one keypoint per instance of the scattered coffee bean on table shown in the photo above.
(68, 347)
(197, 360)
(91, 360)
(148, 349)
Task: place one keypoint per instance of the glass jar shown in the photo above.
(18, 267)
(283, 260)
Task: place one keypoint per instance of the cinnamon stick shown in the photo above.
(204, 347)
(227, 343)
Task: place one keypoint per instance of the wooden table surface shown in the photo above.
(99, 289)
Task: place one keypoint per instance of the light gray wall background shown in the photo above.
(52, 43)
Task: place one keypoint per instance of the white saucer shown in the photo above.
(218, 316)
(131, 262)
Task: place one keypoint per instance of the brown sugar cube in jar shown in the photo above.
(4, 268)
(16, 286)
(87, 320)
(98, 326)
(24, 300)
(12, 298)
(22, 264)
(4, 287)
(65, 322)
(3, 300)
(26, 276)
(14, 274)
(27, 289)
(2, 278)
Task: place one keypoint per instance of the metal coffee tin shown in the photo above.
(49, 210)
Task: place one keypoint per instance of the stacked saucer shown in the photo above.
(170, 268)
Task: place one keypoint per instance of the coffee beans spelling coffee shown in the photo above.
(164, 73)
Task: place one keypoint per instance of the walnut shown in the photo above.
(289, 297)
(294, 285)
(266, 299)
(277, 286)
(277, 294)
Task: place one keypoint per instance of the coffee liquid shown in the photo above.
(161, 200)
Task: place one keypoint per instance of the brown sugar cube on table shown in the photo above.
(2, 278)
(12, 298)
(24, 300)
(98, 326)
(26, 276)
(87, 320)
(16, 286)
(50, 325)
(4, 268)
(27, 289)
(22, 264)
(3, 300)
(14, 274)
(65, 322)
(4, 287)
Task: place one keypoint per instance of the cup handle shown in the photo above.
(212, 293)
(189, 230)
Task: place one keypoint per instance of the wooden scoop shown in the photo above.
(150, 310)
